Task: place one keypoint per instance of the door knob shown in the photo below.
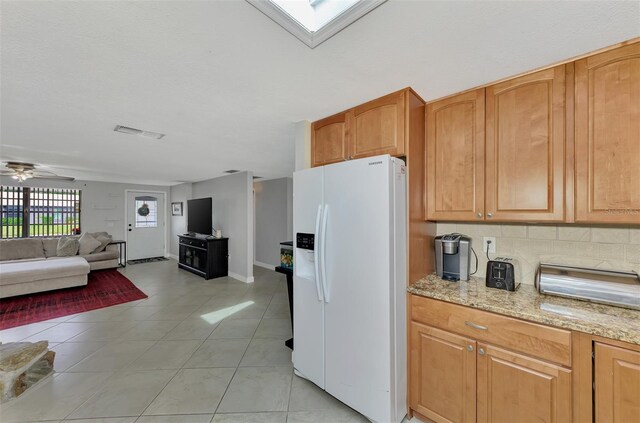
(489, 215)
(479, 215)
(470, 348)
(481, 351)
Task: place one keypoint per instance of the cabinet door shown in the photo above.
(607, 136)
(617, 380)
(378, 127)
(517, 388)
(329, 140)
(525, 157)
(443, 375)
(455, 157)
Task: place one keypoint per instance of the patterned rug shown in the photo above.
(104, 288)
(147, 260)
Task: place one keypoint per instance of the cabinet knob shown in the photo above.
(481, 351)
(479, 215)
(470, 348)
(489, 215)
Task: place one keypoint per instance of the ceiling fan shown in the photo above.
(23, 171)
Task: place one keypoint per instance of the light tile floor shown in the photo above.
(195, 351)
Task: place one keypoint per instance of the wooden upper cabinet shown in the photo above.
(525, 148)
(329, 140)
(607, 136)
(443, 375)
(617, 384)
(378, 127)
(455, 157)
(517, 388)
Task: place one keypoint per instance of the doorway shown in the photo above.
(145, 224)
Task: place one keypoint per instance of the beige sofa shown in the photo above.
(29, 265)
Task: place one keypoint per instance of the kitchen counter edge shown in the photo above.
(526, 303)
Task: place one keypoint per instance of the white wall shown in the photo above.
(179, 193)
(273, 218)
(586, 246)
(102, 202)
(302, 145)
(233, 215)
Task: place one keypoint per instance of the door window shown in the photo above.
(146, 212)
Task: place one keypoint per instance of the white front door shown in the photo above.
(145, 224)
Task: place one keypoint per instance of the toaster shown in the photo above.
(503, 273)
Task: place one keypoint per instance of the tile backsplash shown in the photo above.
(587, 246)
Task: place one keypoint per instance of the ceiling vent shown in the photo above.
(257, 177)
(231, 171)
(140, 132)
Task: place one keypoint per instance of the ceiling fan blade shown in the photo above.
(55, 177)
(7, 173)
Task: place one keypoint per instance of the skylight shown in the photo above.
(315, 21)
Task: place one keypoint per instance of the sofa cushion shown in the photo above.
(15, 249)
(104, 241)
(30, 271)
(103, 255)
(67, 246)
(50, 246)
(87, 244)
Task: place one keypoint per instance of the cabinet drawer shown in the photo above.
(193, 242)
(530, 338)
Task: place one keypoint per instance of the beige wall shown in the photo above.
(589, 246)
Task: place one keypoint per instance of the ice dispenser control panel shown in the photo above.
(305, 241)
(305, 256)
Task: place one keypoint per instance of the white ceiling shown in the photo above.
(226, 84)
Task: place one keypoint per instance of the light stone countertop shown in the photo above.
(526, 303)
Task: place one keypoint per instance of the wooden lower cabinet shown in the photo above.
(617, 384)
(469, 365)
(443, 375)
(515, 388)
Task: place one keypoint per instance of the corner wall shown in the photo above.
(179, 194)
(274, 219)
(233, 215)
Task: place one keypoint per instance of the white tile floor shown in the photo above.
(195, 351)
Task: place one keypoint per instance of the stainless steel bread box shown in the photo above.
(620, 289)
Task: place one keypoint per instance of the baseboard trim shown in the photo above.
(265, 265)
(241, 278)
(173, 256)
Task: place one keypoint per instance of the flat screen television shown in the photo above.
(199, 216)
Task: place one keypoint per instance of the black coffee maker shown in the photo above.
(453, 256)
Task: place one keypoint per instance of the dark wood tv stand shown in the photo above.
(205, 256)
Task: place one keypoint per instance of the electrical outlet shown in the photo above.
(490, 243)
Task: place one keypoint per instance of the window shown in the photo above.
(29, 212)
(315, 21)
(146, 212)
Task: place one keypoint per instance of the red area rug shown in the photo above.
(104, 288)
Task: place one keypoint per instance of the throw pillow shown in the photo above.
(67, 246)
(87, 244)
(104, 241)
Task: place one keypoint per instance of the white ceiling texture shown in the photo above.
(226, 84)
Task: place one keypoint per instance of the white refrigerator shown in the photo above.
(349, 287)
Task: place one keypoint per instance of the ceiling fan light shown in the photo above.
(15, 177)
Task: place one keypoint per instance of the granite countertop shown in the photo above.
(526, 303)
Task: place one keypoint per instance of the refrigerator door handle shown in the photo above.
(323, 250)
(316, 259)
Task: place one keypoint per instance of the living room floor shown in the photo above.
(195, 351)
